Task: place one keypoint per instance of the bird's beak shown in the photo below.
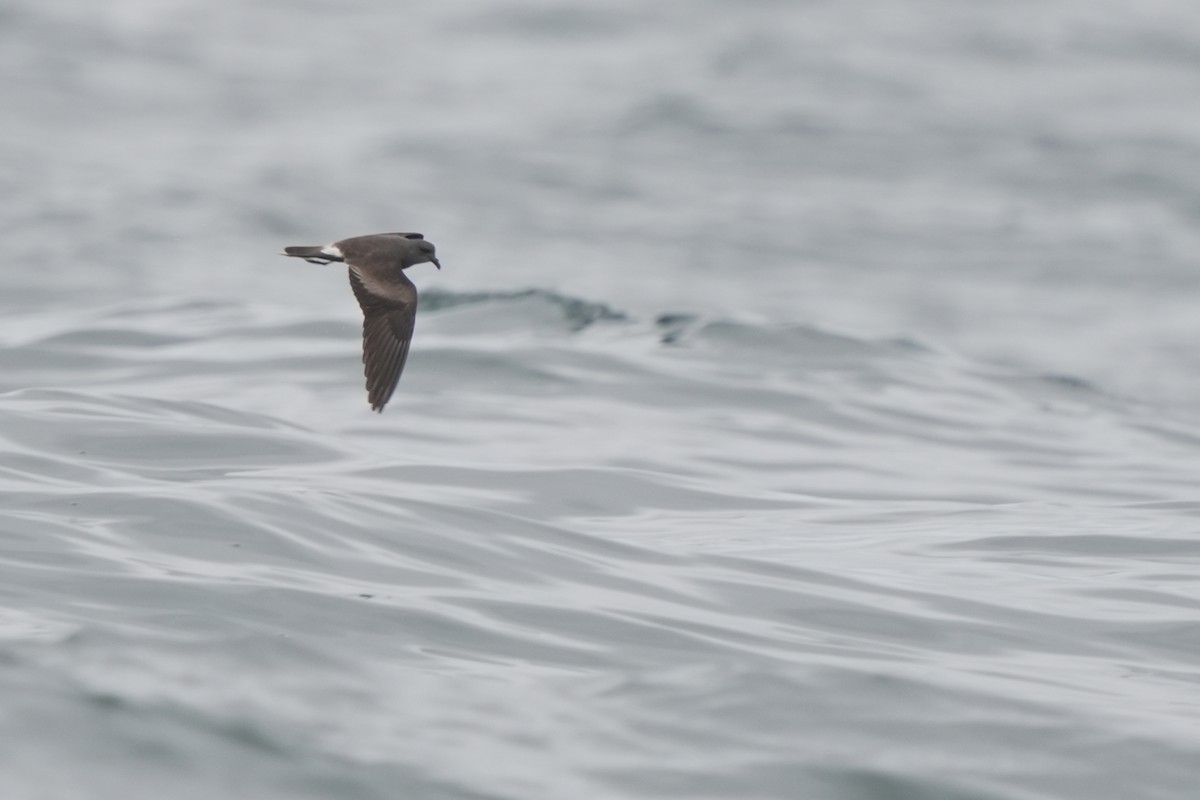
(436, 263)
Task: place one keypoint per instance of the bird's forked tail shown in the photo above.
(317, 255)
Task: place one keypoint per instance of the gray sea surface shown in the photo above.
(807, 408)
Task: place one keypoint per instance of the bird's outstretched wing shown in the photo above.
(389, 314)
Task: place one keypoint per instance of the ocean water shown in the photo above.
(807, 407)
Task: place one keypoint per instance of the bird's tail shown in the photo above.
(317, 255)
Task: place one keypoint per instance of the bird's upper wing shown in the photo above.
(389, 313)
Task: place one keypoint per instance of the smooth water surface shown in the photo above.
(806, 409)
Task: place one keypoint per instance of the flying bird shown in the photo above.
(386, 295)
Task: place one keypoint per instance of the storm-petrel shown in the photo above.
(388, 298)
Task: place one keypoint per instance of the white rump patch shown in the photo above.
(332, 251)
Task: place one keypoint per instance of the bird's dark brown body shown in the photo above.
(387, 297)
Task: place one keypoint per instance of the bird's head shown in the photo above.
(420, 251)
